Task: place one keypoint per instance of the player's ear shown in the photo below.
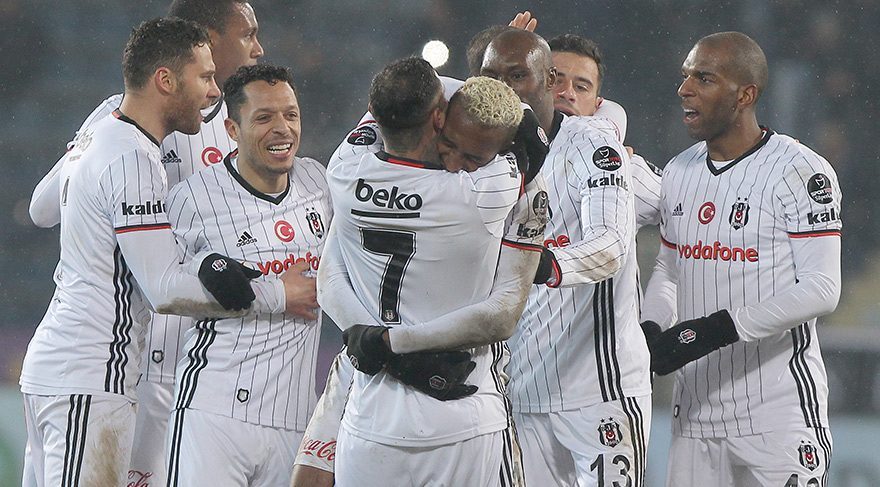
(231, 128)
(164, 80)
(438, 117)
(551, 78)
(748, 96)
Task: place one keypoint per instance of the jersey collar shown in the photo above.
(123, 117)
(207, 118)
(403, 161)
(761, 143)
(558, 117)
(227, 161)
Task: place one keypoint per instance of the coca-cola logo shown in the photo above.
(138, 479)
(325, 450)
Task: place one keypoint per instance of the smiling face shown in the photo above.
(269, 132)
(577, 84)
(195, 90)
(238, 45)
(519, 62)
(709, 97)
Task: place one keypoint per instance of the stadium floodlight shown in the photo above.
(436, 53)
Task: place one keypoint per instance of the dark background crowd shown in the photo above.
(60, 59)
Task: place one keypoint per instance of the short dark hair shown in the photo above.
(477, 46)
(167, 42)
(581, 46)
(402, 96)
(233, 88)
(212, 14)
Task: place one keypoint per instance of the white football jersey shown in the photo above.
(731, 227)
(419, 242)
(259, 368)
(182, 156)
(92, 335)
(581, 344)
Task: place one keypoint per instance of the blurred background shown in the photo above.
(60, 59)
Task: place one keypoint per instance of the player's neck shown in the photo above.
(263, 181)
(544, 114)
(424, 150)
(145, 113)
(736, 141)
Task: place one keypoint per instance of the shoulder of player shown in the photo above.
(799, 158)
(593, 128)
(694, 153)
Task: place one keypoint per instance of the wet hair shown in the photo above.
(402, 97)
(212, 14)
(233, 88)
(746, 63)
(581, 46)
(477, 46)
(489, 103)
(163, 42)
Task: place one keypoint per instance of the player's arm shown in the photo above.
(646, 179)
(45, 204)
(604, 224)
(149, 250)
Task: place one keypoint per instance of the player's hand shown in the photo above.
(524, 21)
(548, 269)
(530, 145)
(691, 340)
(367, 348)
(440, 375)
(228, 281)
(300, 292)
(629, 150)
(652, 331)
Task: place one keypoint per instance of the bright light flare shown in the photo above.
(436, 53)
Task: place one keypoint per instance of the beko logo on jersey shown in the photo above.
(824, 217)
(393, 200)
(610, 180)
(278, 266)
(148, 208)
(717, 251)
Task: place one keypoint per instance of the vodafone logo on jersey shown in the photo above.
(706, 212)
(284, 231)
(211, 155)
(717, 251)
(278, 266)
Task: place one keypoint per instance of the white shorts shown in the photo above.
(151, 429)
(778, 459)
(474, 462)
(79, 439)
(209, 449)
(603, 444)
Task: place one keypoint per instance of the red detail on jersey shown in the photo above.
(667, 243)
(279, 266)
(817, 233)
(211, 155)
(560, 241)
(284, 231)
(141, 228)
(717, 251)
(322, 449)
(401, 162)
(706, 212)
(138, 479)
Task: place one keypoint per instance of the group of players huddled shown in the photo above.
(474, 240)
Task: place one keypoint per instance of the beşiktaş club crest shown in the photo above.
(739, 214)
(316, 225)
(609, 432)
(808, 455)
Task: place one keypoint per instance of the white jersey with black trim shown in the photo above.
(580, 344)
(259, 368)
(731, 228)
(419, 242)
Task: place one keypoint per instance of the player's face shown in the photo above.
(577, 84)
(238, 45)
(195, 91)
(708, 97)
(465, 146)
(268, 136)
(519, 67)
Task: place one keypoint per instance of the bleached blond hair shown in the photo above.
(490, 103)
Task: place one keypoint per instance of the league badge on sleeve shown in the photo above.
(362, 136)
(819, 188)
(607, 159)
(739, 214)
(609, 432)
(808, 455)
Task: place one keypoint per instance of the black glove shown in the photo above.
(690, 340)
(547, 267)
(440, 375)
(530, 146)
(366, 349)
(652, 331)
(228, 280)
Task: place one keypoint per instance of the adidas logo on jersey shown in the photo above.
(171, 158)
(677, 211)
(245, 238)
